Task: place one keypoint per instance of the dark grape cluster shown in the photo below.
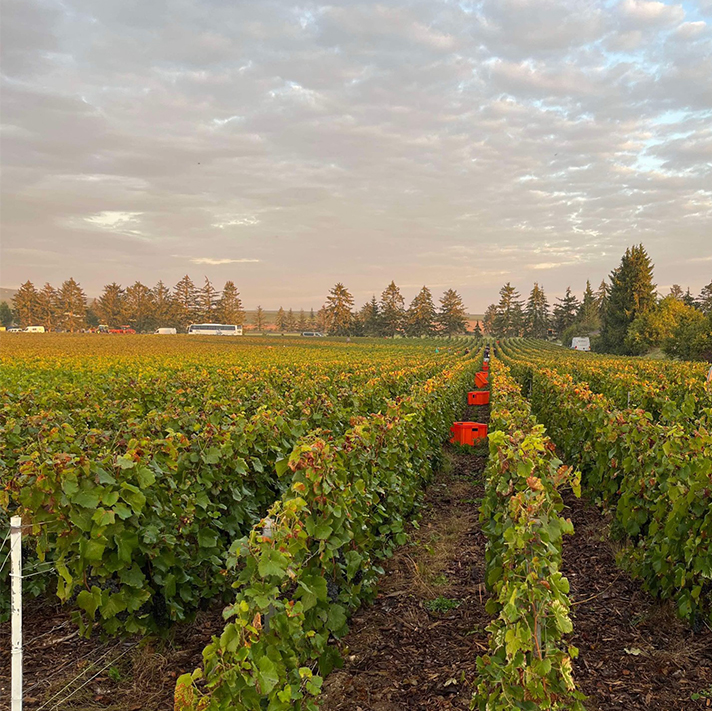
(333, 590)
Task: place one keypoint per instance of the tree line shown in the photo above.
(141, 307)
(146, 308)
(624, 316)
(389, 316)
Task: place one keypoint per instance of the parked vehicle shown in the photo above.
(122, 329)
(312, 334)
(214, 329)
(165, 331)
(581, 344)
(35, 329)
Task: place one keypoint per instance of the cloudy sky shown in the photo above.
(288, 146)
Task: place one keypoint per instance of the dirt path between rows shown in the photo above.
(407, 651)
(66, 672)
(635, 654)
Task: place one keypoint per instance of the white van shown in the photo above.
(581, 344)
(35, 329)
(165, 331)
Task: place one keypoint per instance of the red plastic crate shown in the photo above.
(481, 379)
(478, 397)
(467, 432)
(485, 366)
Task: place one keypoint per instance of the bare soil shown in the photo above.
(634, 652)
(402, 653)
(66, 672)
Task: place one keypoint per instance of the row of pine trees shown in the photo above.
(146, 308)
(511, 316)
(389, 317)
(625, 314)
(139, 306)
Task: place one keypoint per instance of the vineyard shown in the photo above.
(157, 479)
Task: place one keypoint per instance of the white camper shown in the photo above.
(35, 329)
(165, 331)
(581, 344)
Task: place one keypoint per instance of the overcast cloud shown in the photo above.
(453, 144)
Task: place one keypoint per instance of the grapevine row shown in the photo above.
(136, 507)
(316, 554)
(669, 391)
(529, 664)
(654, 477)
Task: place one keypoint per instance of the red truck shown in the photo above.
(122, 329)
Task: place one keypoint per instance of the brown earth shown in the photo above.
(634, 652)
(406, 651)
(65, 672)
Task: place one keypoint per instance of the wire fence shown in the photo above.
(93, 663)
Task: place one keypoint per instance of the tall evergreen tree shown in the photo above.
(229, 307)
(139, 308)
(338, 308)
(371, 318)
(392, 310)
(207, 302)
(290, 322)
(259, 319)
(489, 319)
(510, 315)
(421, 314)
(565, 311)
(688, 299)
(588, 309)
(322, 320)
(302, 324)
(110, 306)
(48, 307)
(312, 320)
(25, 304)
(536, 313)
(452, 316)
(704, 300)
(91, 318)
(676, 292)
(185, 299)
(602, 298)
(281, 320)
(72, 306)
(164, 311)
(632, 293)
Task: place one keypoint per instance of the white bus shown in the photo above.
(214, 329)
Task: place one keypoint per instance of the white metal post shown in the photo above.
(16, 603)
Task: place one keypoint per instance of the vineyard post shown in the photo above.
(16, 604)
(268, 532)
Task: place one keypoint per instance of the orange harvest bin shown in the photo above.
(485, 366)
(478, 397)
(467, 432)
(481, 379)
